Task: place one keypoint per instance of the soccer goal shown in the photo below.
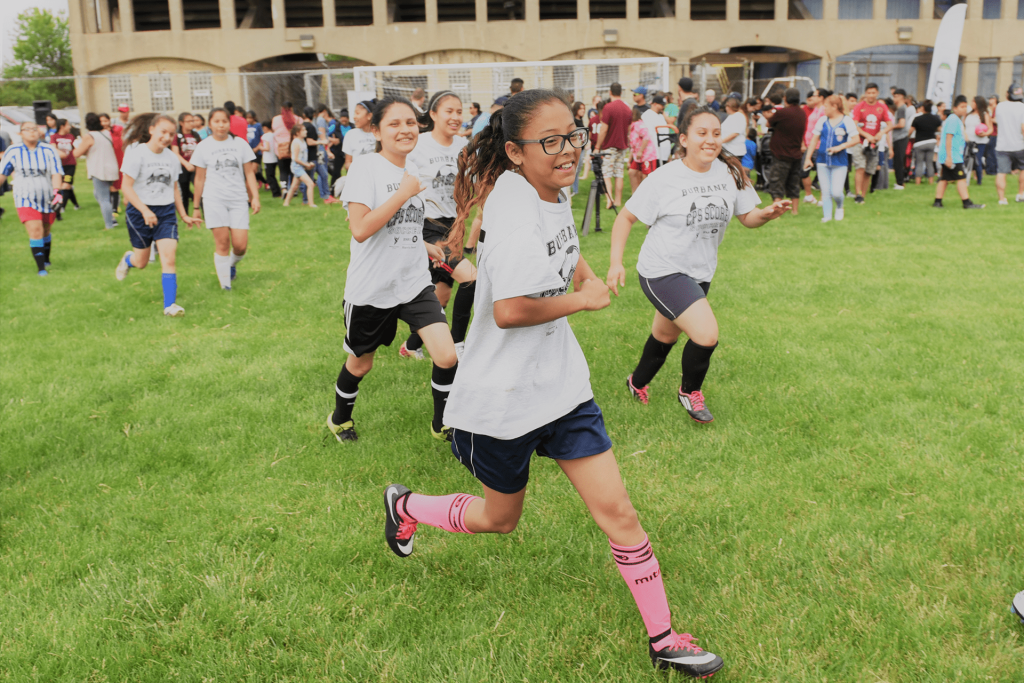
(580, 79)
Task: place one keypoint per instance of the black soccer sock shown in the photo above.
(413, 343)
(440, 384)
(72, 197)
(115, 200)
(654, 355)
(967, 202)
(462, 310)
(345, 393)
(63, 199)
(696, 361)
(38, 248)
(47, 243)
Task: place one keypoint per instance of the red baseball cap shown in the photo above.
(123, 107)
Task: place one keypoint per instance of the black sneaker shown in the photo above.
(972, 205)
(346, 431)
(936, 204)
(680, 653)
(694, 405)
(1017, 606)
(858, 200)
(400, 531)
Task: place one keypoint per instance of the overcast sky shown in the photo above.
(9, 11)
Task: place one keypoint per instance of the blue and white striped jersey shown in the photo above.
(30, 171)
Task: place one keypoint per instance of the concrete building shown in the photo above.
(173, 55)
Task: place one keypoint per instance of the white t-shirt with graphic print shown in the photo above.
(438, 166)
(155, 175)
(391, 267)
(224, 161)
(687, 213)
(513, 381)
(357, 143)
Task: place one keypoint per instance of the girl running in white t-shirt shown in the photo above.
(388, 278)
(687, 203)
(360, 140)
(225, 188)
(300, 166)
(437, 158)
(150, 186)
(526, 385)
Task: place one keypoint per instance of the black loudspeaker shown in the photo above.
(41, 108)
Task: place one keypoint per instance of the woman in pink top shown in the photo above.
(643, 151)
(814, 100)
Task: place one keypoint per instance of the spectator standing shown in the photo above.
(901, 135)
(734, 129)
(640, 98)
(814, 111)
(925, 129)
(185, 143)
(485, 119)
(269, 149)
(788, 124)
(978, 126)
(687, 98)
(833, 134)
(613, 138)
(709, 100)
(123, 118)
(654, 118)
(282, 125)
(98, 147)
(872, 118)
(316, 155)
(642, 150)
(1010, 145)
(239, 127)
(474, 113)
(594, 124)
(325, 155)
(419, 99)
(990, 153)
(671, 112)
(951, 156)
(515, 87)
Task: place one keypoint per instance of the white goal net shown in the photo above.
(580, 79)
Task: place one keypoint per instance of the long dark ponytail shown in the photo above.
(485, 158)
(424, 119)
(730, 160)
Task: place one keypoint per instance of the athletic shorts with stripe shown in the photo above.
(435, 231)
(504, 464)
(673, 294)
(368, 327)
(142, 235)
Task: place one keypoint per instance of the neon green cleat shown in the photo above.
(444, 435)
(343, 432)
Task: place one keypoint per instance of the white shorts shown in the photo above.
(217, 215)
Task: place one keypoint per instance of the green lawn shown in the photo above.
(170, 508)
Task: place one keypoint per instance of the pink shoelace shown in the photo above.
(682, 641)
(697, 400)
(405, 530)
(641, 393)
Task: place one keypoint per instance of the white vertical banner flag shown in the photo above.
(946, 56)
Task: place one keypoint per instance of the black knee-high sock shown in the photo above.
(47, 243)
(38, 253)
(440, 384)
(654, 355)
(115, 200)
(696, 361)
(462, 310)
(345, 393)
(72, 197)
(413, 342)
(63, 199)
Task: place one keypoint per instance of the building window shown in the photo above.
(160, 92)
(457, 10)
(352, 12)
(606, 75)
(1020, 10)
(200, 84)
(757, 10)
(558, 9)
(460, 83)
(903, 9)
(656, 9)
(707, 10)
(992, 9)
(806, 9)
(120, 90)
(303, 13)
(200, 14)
(402, 11)
(607, 9)
(501, 78)
(259, 13)
(151, 15)
(855, 9)
(564, 78)
(942, 6)
(505, 10)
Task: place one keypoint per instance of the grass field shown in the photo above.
(171, 510)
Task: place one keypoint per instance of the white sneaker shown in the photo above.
(1020, 198)
(809, 198)
(1004, 202)
(850, 195)
(122, 267)
(826, 220)
(839, 214)
(152, 254)
(819, 204)
(460, 348)
(897, 187)
(174, 310)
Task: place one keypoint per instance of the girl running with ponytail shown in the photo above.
(387, 277)
(436, 157)
(526, 386)
(687, 203)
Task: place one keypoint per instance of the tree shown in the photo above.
(42, 48)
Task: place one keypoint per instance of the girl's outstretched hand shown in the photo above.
(777, 209)
(616, 278)
(595, 294)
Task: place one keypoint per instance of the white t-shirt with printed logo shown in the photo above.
(391, 267)
(687, 213)
(513, 381)
(155, 175)
(438, 165)
(358, 142)
(224, 161)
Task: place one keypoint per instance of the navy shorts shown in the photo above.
(142, 235)
(673, 294)
(504, 464)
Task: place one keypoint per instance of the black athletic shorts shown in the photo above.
(951, 175)
(367, 327)
(435, 230)
(673, 294)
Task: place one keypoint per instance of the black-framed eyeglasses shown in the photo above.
(554, 144)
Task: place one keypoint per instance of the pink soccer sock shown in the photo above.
(444, 512)
(642, 574)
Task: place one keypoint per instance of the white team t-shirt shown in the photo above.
(438, 165)
(270, 153)
(224, 162)
(391, 267)
(687, 213)
(513, 381)
(652, 120)
(154, 174)
(1009, 117)
(358, 142)
(735, 123)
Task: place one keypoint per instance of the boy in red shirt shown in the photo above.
(873, 120)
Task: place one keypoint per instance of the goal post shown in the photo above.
(580, 79)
